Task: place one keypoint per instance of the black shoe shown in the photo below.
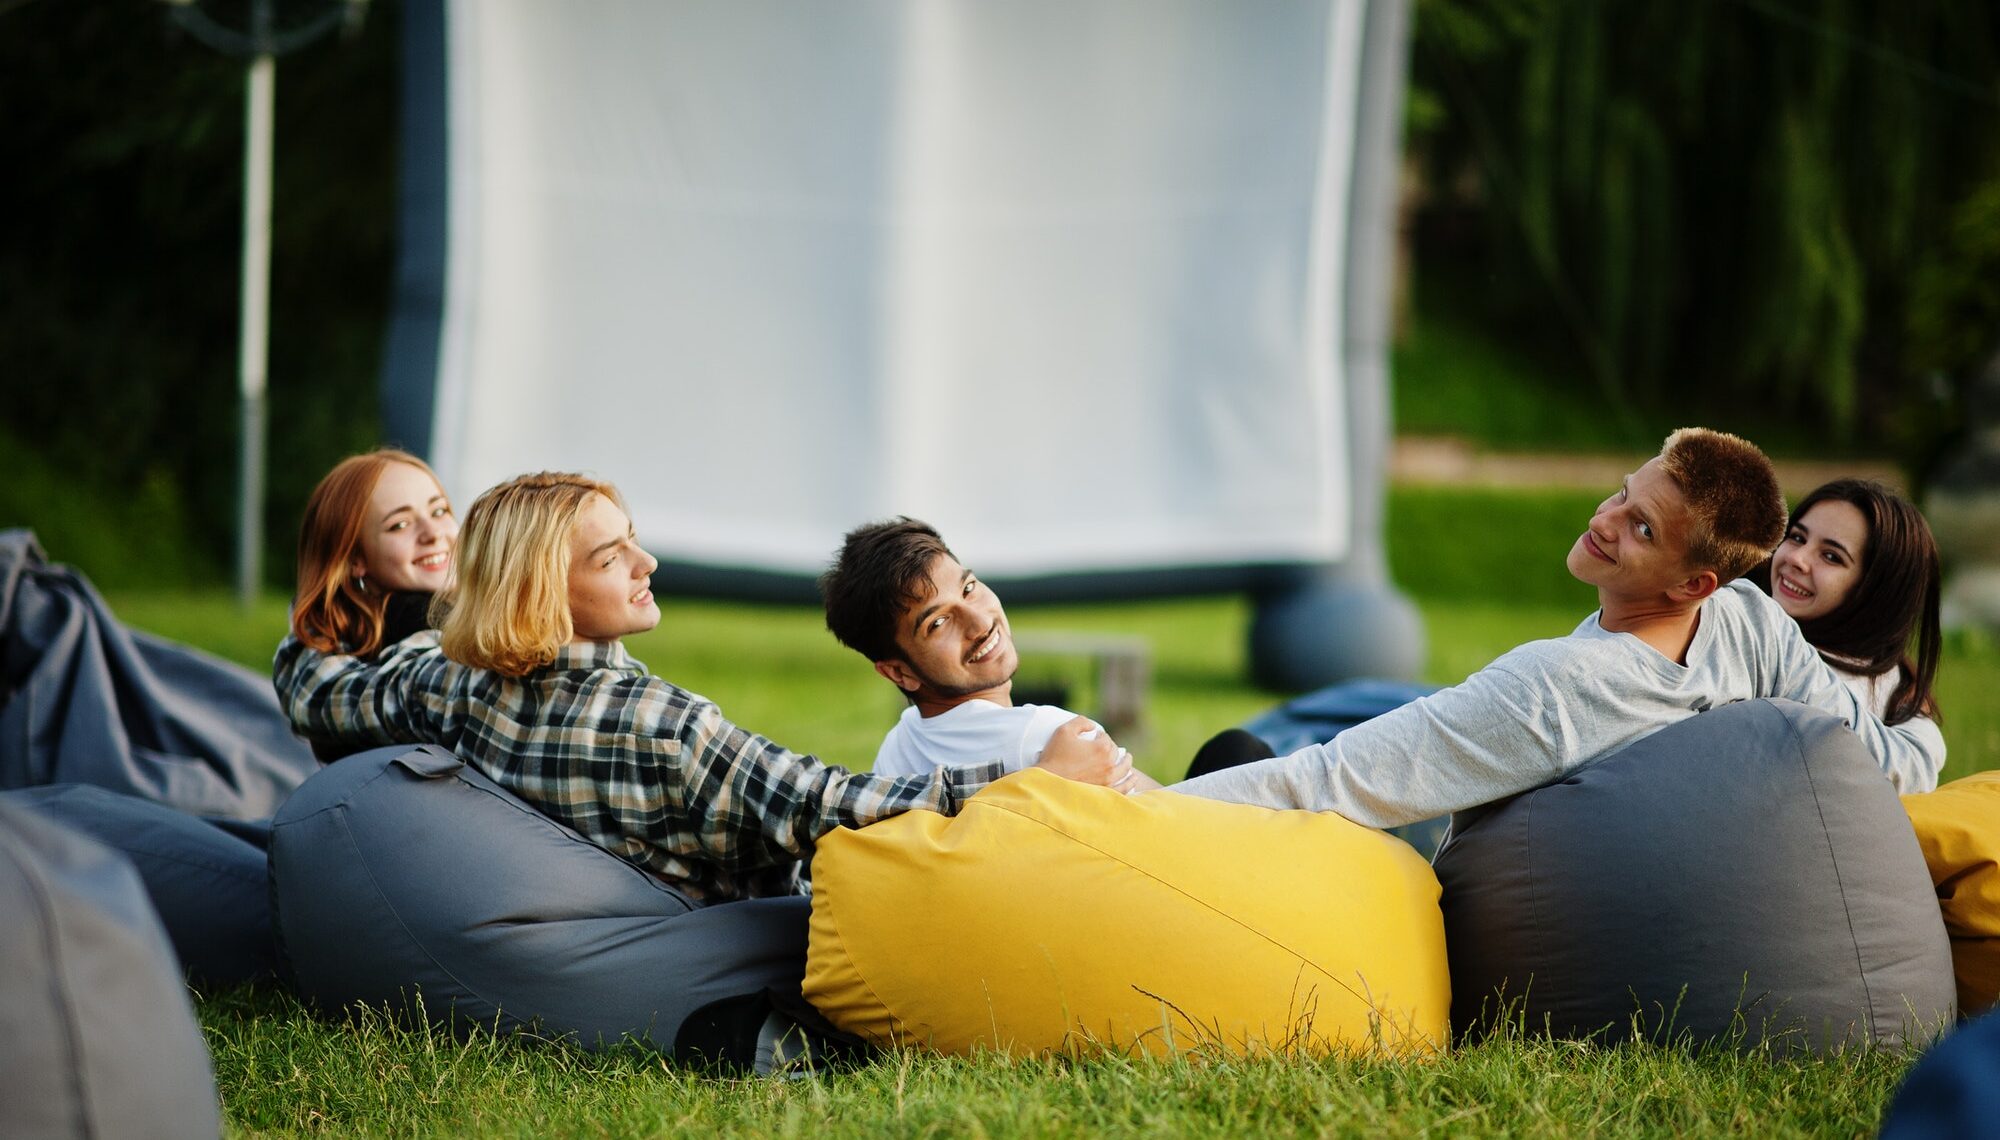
(1227, 749)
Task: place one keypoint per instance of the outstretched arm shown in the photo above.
(346, 700)
(1498, 733)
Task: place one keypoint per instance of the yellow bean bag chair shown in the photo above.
(1958, 826)
(1051, 916)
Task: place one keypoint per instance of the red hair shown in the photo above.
(335, 612)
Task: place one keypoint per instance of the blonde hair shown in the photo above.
(1736, 513)
(509, 609)
(336, 612)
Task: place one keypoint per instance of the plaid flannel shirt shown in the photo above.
(639, 766)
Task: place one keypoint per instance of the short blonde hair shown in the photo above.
(1736, 513)
(508, 611)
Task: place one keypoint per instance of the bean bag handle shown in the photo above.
(429, 762)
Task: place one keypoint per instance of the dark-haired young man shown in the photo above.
(1675, 635)
(898, 596)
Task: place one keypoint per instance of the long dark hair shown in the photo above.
(1894, 604)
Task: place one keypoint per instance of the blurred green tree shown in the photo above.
(1722, 200)
(124, 153)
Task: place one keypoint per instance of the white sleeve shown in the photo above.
(1911, 753)
(1040, 728)
(1497, 734)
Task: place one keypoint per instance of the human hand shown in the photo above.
(1082, 751)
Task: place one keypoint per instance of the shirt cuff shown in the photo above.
(960, 783)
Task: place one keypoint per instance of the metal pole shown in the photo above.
(254, 350)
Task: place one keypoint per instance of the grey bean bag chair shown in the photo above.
(1746, 875)
(97, 1037)
(401, 871)
(85, 701)
(208, 881)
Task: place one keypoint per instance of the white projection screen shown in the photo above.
(1065, 279)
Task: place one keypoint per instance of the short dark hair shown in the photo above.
(1736, 513)
(1894, 601)
(880, 568)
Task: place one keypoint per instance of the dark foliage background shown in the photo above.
(123, 147)
(1782, 203)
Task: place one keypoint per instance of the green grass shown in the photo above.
(285, 1072)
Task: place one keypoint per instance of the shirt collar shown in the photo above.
(597, 655)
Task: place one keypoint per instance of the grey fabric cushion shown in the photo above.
(400, 871)
(97, 1037)
(1748, 860)
(207, 881)
(84, 701)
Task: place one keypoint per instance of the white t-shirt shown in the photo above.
(1874, 692)
(969, 733)
(1549, 706)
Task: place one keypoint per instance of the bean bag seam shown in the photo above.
(1204, 904)
(1833, 860)
(897, 1025)
(396, 913)
(333, 805)
(499, 794)
(1535, 900)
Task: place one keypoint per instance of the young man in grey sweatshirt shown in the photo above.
(1675, 634)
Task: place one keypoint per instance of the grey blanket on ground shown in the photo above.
(83, 700)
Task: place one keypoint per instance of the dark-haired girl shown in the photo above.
(1858, 570)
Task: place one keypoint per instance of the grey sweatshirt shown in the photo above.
(1550, 706)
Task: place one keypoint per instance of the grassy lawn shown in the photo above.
(1486, 570)
(282, 1072)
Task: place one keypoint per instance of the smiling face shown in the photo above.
(407, 537)
(610, 577)
(1635, 547)
(954, 641)
(1819, 562)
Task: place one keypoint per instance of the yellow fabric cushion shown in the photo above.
(1048, 915)
(1958, 827)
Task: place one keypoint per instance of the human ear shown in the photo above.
(1699, 587)
(898, 674)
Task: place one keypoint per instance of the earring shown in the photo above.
(361, 582)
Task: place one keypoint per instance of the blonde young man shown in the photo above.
(1675, 634)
